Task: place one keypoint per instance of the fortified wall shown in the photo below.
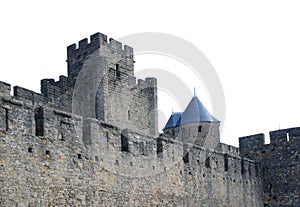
(90, 139)
(281, 164)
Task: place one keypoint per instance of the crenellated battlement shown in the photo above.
(277, 137)
(5, 89)
(279, 161)
(284, 135)
(147, 83)
(96, 40)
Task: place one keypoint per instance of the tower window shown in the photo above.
(128, 115)
(207, 162)
(226, 162)
(186, 158)
(107, 136)
(118, 72)
(124, 143)
(199, 128)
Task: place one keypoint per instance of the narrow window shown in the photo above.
(242, 167)
(79, 156)
(128, 115)
(6, 119)
(288, 136)
(207, 162)
(226, 162)
(159, 149)
(142, 148)
(39, 122)
(256, 169)
(47, 152)
(199, 128)
(30, 149)
(118, 73)
(107, 136)
(186, 158)
(124, 143)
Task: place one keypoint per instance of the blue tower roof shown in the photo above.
(173, 120)
(194, 112)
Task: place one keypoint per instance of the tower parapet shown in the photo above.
(277, 160)
(250, 145)
(96, 40)
(112, 51)
(284, 135)
(4, 89)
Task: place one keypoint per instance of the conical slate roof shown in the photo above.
(194, 112)
(173, 120)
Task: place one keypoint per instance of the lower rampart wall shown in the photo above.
(52, 158)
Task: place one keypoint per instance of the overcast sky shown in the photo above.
(254, 46)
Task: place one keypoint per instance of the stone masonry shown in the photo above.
(91, 139)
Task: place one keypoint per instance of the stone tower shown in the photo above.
(195, 125)
(101, 85)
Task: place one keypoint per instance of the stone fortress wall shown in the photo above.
(59, 148)
(281, 164)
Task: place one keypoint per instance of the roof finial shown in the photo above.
(194, 91)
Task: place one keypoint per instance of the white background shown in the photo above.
(253, 45)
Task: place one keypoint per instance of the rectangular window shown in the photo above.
(142, 148)
(226, 162)
(107, 136)
(39, 122)
(207, 162)
(159, 148)
(118, 72)
(186, 158)
(199, 128)
(124, 143)
(6, 119)
(242, 167)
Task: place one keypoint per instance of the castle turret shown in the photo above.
(195, 125)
